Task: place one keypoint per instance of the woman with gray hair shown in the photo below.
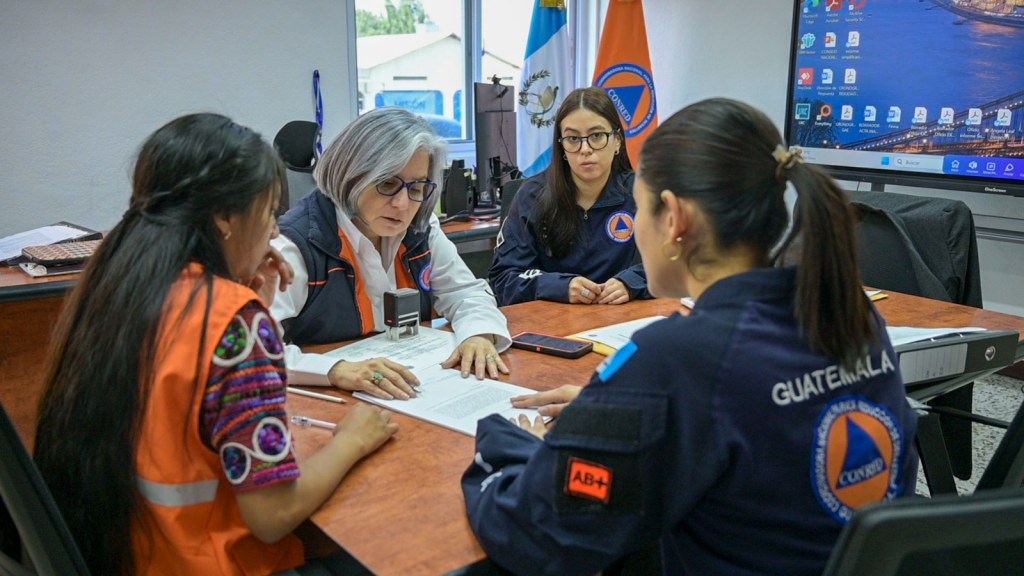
(369, 228)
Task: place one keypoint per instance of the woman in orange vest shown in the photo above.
(163, 429)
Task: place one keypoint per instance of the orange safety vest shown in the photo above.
(191, 520)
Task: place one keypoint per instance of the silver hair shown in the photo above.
(373, 148)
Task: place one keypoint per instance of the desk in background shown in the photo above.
(400, 511)
(475, 242)
(29, 310)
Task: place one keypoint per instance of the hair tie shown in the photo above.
(786, 159)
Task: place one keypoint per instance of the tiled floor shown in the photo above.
(997, 397)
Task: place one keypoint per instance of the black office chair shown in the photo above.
(34, 540)
(296, 143)
(888, 258)
(508, 192)
(1006, 466)
(955, 535)
(925, 247)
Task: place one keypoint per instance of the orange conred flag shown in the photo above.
(624, 71)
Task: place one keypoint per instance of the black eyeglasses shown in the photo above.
(596, 141)
(418, 189)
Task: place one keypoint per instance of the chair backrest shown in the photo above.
(33, 536)
(975, 534)
(941, 232)
(888, 258)
(508, 192)
(296, 143)
(1006, 466)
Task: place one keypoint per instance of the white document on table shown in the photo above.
(447, 399)
(427, 348)
(617, 335)
(10, 246)
(899, 335)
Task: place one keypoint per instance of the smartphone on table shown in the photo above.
(554, 345)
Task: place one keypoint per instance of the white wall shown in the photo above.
(740, 49)
(83, 82)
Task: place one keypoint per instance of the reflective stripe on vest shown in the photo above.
(178, 495)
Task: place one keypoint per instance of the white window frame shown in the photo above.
(585, 20)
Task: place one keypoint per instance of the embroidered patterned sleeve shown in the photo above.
(243, 414)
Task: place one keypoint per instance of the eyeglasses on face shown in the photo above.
(418, 189)
(596, 141)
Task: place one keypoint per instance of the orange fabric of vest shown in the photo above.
(205, 534)
(402, 277)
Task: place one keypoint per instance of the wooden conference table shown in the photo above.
(400, 511)
(30, 308)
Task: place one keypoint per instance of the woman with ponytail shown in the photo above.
(163, 432)
(739, 439)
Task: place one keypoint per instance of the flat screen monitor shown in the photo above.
(495, 126)
(923, 93)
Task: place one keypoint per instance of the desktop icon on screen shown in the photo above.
(853, 39)
(830, 39)
(870, 113)
(826, 76)
(846, 112)
(974, 117)
(894, 114)
(946, 116)
(808, 4)
(857, 4)
(833, 5)
(825, 112)
(806, 77)
(850, 76)
(806, 41)
(1003, 117)
(920, 115)
(803, 111)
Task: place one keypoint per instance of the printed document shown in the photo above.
(447, 399)
(427, 348)
(609, 339)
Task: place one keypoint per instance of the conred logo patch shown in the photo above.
(620, 226)
(631, 89)
(856, 457)
(425, 277)
(588, 480)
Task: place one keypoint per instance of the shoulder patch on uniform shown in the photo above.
(588, 480)
(425, 277)
(619, 226)
(605, 422)
(857, 456)
(613, 363)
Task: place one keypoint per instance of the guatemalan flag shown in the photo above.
(547, 77)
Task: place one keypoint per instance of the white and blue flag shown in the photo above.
(547, 77)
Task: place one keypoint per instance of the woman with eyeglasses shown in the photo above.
(568, 236)
(370, 228)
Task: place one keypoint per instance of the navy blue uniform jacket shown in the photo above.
(523, 270)
(720, 436)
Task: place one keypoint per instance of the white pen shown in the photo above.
(307, 421)
(317, 395)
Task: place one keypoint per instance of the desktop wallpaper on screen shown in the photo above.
(911, 87)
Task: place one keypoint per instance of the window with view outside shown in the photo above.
(410, 53)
